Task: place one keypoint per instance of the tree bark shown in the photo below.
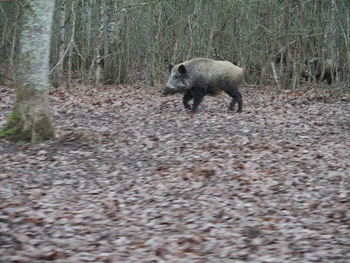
(13, 43)
(286, 56)
(70, 46)
(30, 118)
(58, 72)
(95, 67)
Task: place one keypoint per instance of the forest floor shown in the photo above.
(134, 177)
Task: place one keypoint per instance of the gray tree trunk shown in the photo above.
(58, 69)
(30, 118)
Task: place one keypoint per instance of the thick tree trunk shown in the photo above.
(30, 118)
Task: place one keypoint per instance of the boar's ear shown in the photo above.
(182, 69)
(169, 66)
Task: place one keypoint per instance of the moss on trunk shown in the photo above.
(37, 131)
(13, 129)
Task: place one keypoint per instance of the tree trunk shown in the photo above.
(30, 118)
(96, 60)
(286, 81)
(14, 41)
(70, 46)
(58, 72)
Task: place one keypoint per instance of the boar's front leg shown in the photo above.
(187, 97)
(197, 99)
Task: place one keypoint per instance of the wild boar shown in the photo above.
(199, 77)
(314, 68)
(326, 69)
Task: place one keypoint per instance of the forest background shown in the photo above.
(96, 41)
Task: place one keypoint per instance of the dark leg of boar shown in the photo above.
(198, 95)
(199, 90)
(236, 98)
(232, 90)
(187, 97)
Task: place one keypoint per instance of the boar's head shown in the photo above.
(179, 80)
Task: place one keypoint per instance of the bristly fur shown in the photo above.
(202, 76)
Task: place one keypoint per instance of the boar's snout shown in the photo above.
(166, 90)
(170, 90)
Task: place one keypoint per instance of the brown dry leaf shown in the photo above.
(132, 177)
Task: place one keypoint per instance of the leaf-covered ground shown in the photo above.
(133, 177)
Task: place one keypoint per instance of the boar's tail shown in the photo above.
(243, 63)
(240, 63)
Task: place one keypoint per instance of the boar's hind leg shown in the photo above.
(240, 102)
(232, 90)
(187, 97)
